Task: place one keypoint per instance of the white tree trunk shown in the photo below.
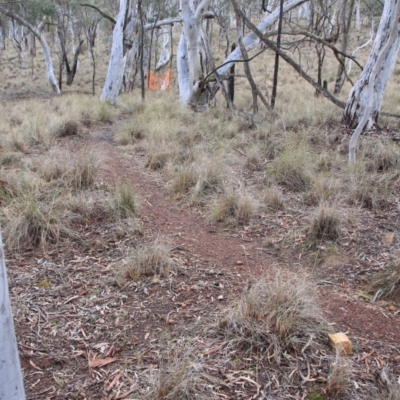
(251, 40)
(164, 56)
(11, 383)
(190, 69)
(117, 62)
(45, 47)
(377, 70)
(358, 16)
(364, 102)
(183, 70)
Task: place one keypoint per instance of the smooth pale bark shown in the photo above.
(366, 96)
(183, 69)
(251, 40)
(11, 383)
(191, 88)
(165, 56)
(40, 36)
(117, 62)
(358, 16)
(364, 102)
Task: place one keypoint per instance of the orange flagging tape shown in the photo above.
(159, 82)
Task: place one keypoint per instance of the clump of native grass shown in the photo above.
(324, 189)
(130, 132)
(124, 204)
(273, 315)
(35, 220)
(380, 156)
(273, 198)
(386, 283)
(149, 259)
(326, 225)
(340, 378)
(182, 377)
(370, 190)
(234, 208)
(198, 179)
(293, 167)
(77, 171)
(66, 128)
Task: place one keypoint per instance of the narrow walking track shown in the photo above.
(233, 252)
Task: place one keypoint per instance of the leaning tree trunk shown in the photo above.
(368, 92)
(45, 47)
(251, 40)
(364, 102)
(11, 384)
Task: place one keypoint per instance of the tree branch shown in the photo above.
(102, 13)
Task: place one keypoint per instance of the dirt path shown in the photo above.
(234, 252)
(71, 311)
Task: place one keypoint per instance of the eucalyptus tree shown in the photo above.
(364, 102)
(345, 24)
(32, 15)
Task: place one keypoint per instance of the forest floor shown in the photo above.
(85, 333)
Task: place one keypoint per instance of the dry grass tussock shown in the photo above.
(326, 225)
(339, 379)
(386, 283)
(273, 315)
(152, 258)
(181, 376)
(233, 208)
(293, 167)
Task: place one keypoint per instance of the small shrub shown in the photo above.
(326, 225)
(151, 259)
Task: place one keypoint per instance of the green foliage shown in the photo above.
(37, 9)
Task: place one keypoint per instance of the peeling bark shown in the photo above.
(364, 102)
(366, 96)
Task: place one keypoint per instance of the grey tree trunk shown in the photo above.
(45, 47)
(347, 13)
(11, 383)
(364, 102)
